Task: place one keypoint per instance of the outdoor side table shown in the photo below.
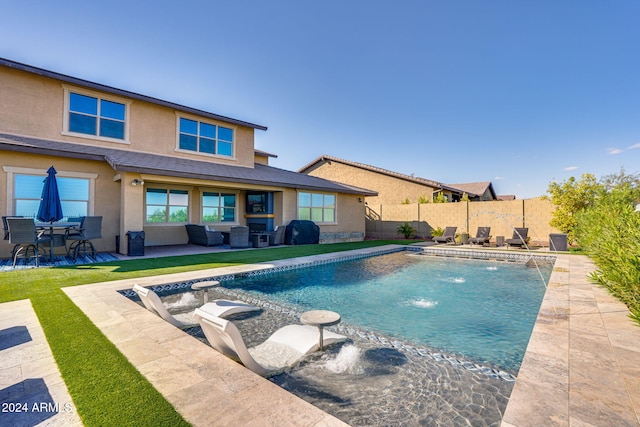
(204, 286)
(260, 240)
(320, 319)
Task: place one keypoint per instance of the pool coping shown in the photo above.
(580, 332)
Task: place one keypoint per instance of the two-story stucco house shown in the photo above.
(146, 164)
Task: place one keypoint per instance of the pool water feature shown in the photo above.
(375, 378)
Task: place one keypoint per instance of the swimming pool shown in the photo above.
(377, 378)
(481, 310)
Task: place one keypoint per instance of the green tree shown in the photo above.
(405, 201)
(423, 199)
(571, 197)
(440, 198)
(406, 230)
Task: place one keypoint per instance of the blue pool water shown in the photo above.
(483, 311)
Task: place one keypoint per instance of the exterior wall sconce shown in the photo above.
(359, 199)
(136, 182)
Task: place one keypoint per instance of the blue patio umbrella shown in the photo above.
(50, 207)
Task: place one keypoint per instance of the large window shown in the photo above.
(317, 207)
(205, 138)
(163, 206)
(94, 116)
(218, 207)
(74, 195)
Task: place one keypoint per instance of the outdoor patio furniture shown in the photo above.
(284, 348)
(276, 237)
(90, 228)
(519, 238)
(482, 236)
(219, 308)
(449, 236)
(239, 236)
(26, 238)
(203, 235)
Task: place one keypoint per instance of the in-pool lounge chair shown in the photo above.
(449, 236)
(284, 348)
(519, 238)
(219, 308)
(482, 236)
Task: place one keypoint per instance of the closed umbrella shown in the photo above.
(50, 207)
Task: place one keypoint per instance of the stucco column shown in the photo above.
(131, 207)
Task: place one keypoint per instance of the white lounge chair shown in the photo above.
(284, 348)
(219, 308)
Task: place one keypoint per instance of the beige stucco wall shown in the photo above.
(106, 191)
(390, 190)
(34, 106)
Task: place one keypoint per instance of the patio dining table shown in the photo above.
(57, 239)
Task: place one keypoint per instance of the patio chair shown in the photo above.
(239, 236)
(26, 238)
(90, 228)
(482, 236)
(219, 308)
(276, 237)
(449, 236)
(520, 238)
(283, 349)
(203, 235)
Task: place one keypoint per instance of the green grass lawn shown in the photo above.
(106, 389)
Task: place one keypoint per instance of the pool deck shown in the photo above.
(582, 365)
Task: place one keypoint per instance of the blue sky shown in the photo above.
(519, 93)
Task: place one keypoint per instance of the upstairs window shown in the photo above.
(317, 207)
(205, 138)
(98, 117)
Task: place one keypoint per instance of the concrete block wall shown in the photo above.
(502, 216)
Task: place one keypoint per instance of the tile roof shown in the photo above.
(418, 180)
(131, 161)
(475, 188)
(122, 92)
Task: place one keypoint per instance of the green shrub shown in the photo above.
(437, 231)
(406, 230)
(609, 232)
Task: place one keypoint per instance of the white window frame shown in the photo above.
(219, 192)
(311, 193)
(234, 143)
(99, 96)
(168, 205)
(12, 171)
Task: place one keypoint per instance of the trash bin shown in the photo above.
(558, 242)
(135, 243)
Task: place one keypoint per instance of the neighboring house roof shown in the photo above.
(122, 92)
(506, 197)
(434, 184)
(131, 161)
(264, 153)
(476, 188)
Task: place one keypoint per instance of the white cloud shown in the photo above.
(571, 168)
(631, 147)
(498, 177)
(614, 151)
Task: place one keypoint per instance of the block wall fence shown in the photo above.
(502, 216)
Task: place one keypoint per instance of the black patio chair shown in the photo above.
(26, 238)
(90, 228)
